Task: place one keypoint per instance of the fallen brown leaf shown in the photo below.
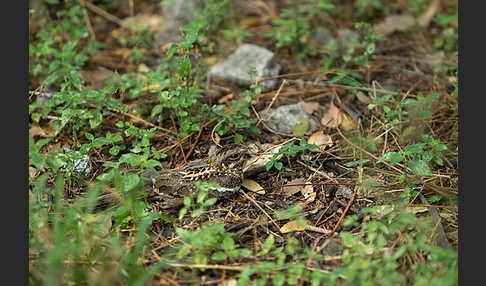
(96, 78)
(320, 139)
(253, 186)
(347, 123)
(291, 190)
(310, 106)
(332, 117)
(363, 98)
(36, 130)
(32, 172)
(151, 21)
(308, 193)
(292, 226)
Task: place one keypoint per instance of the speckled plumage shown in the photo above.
(223, 166)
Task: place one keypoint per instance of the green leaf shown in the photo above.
(228, 243)
(267, 245)
(89, 136)
(151, 164)
(301, 126)
(269, 165)
(182, 212)
(96, 120)
(183, 251)
(101, 141)
(358, 162)
(55, 160)
(38, 160)
(210, 202)
(106, 177)
(129, 182)
(36, 117)
(156, 110)
(218, 256)
(278, 279)
(131, 159)
(420, 167)
(200, 258)
(392, 157)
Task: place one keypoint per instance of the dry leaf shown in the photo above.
(96, 78)
(32, 172)
(124, 53)
(36, 131)
(332, 117)
(292, 226)
(151, 21)
(143, 68)
(347, 123)
(427, 16)
(394, 23)
(363, 98)
(320, 139)
(211, 60)
(310, 106)
(47, 130)
(308, 192)
(253, 186)
(291, 190)
(260, 158)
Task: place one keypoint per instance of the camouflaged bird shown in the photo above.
(168, 188)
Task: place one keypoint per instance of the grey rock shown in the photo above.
(323, 36)
(235, 68)
(284, 118)
(179, 10)
(347, 37)
(176, 14)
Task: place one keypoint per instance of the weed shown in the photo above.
(390, 237)
(369, 7)
(211, 242)
(239, 116)
(202, 200)
(288, 150)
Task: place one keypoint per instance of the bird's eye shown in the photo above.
(234, 157)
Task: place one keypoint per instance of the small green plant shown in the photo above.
(367, 45)
(70, 243)
(389, 237)
(291, 28)
(417, 7)
(202, 200)
(449, 38)
(239, 116)
(210, 243)
(288, 150)
(369, 7)
(419, 156)
(137, 56)
(140, 37)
